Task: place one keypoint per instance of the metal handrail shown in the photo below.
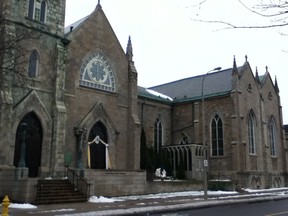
(79, 182)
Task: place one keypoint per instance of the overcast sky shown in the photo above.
(169, 45)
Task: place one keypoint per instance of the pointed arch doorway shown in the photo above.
(97, 151)
(28, 144)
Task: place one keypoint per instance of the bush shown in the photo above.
(219, 185)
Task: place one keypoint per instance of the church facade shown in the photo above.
(70, 100)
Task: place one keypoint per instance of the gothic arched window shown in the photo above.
(184, 139)
(37, 10)
(272, 137)
(252, 133)
(158, 134)
(217, 136)
(43, 11)
(33, 64)
(31, 9)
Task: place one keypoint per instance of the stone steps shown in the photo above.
(57, 191)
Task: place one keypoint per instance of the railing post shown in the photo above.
(79, 182)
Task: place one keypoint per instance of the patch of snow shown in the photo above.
(48, 178)
(220, 180)
(61, 210)
(22, 206)
(175, 194)
(101, 199)
(263, 190)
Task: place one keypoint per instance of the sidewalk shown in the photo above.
(144, 205)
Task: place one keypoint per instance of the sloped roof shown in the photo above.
(214, 84)
(75, 25)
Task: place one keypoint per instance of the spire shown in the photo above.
(234, 66)
(276, 85)
(99, 5)
(257, 76)
(129, 50)
(246, 58)
(266, 69)
(235, 75)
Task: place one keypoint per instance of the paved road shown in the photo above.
(269, 208)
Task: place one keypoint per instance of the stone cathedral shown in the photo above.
(70, 103)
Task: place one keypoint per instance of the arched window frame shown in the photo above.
(272, 136)
(184, 139)
(252, 133)
(37, 10)
(43, 11)
(217, 136)
(158, 134)
(33, 65)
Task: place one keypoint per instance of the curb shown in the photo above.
(179, 207)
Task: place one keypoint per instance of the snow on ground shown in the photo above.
(175, 194)
(264, 190)
(196, 194)
(22, 206)
(101, 199)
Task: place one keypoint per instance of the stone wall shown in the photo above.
(16, 184)
(116, 183)
(123, 183)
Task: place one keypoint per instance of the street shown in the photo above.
(271, 208)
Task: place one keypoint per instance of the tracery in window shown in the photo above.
(96, 72)
(272, 137)
(217, 136)
(37, 10)
(158, 134)
(252, 133)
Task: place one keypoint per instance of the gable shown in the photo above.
(269, 91)
(96, 59)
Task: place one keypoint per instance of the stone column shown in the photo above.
(80, 134)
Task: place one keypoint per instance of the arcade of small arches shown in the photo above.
(188, 155)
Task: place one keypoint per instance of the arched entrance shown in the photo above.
(28, 144)
(97, 151)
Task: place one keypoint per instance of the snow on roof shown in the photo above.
(158, 94)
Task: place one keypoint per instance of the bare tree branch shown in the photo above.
(275, 11)
(232, 26)
(14, 55)
(198, 4)
(264, 7)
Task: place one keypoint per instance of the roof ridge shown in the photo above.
(193, 77)
(75, 25)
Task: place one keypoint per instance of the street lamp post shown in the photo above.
(205, 158)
